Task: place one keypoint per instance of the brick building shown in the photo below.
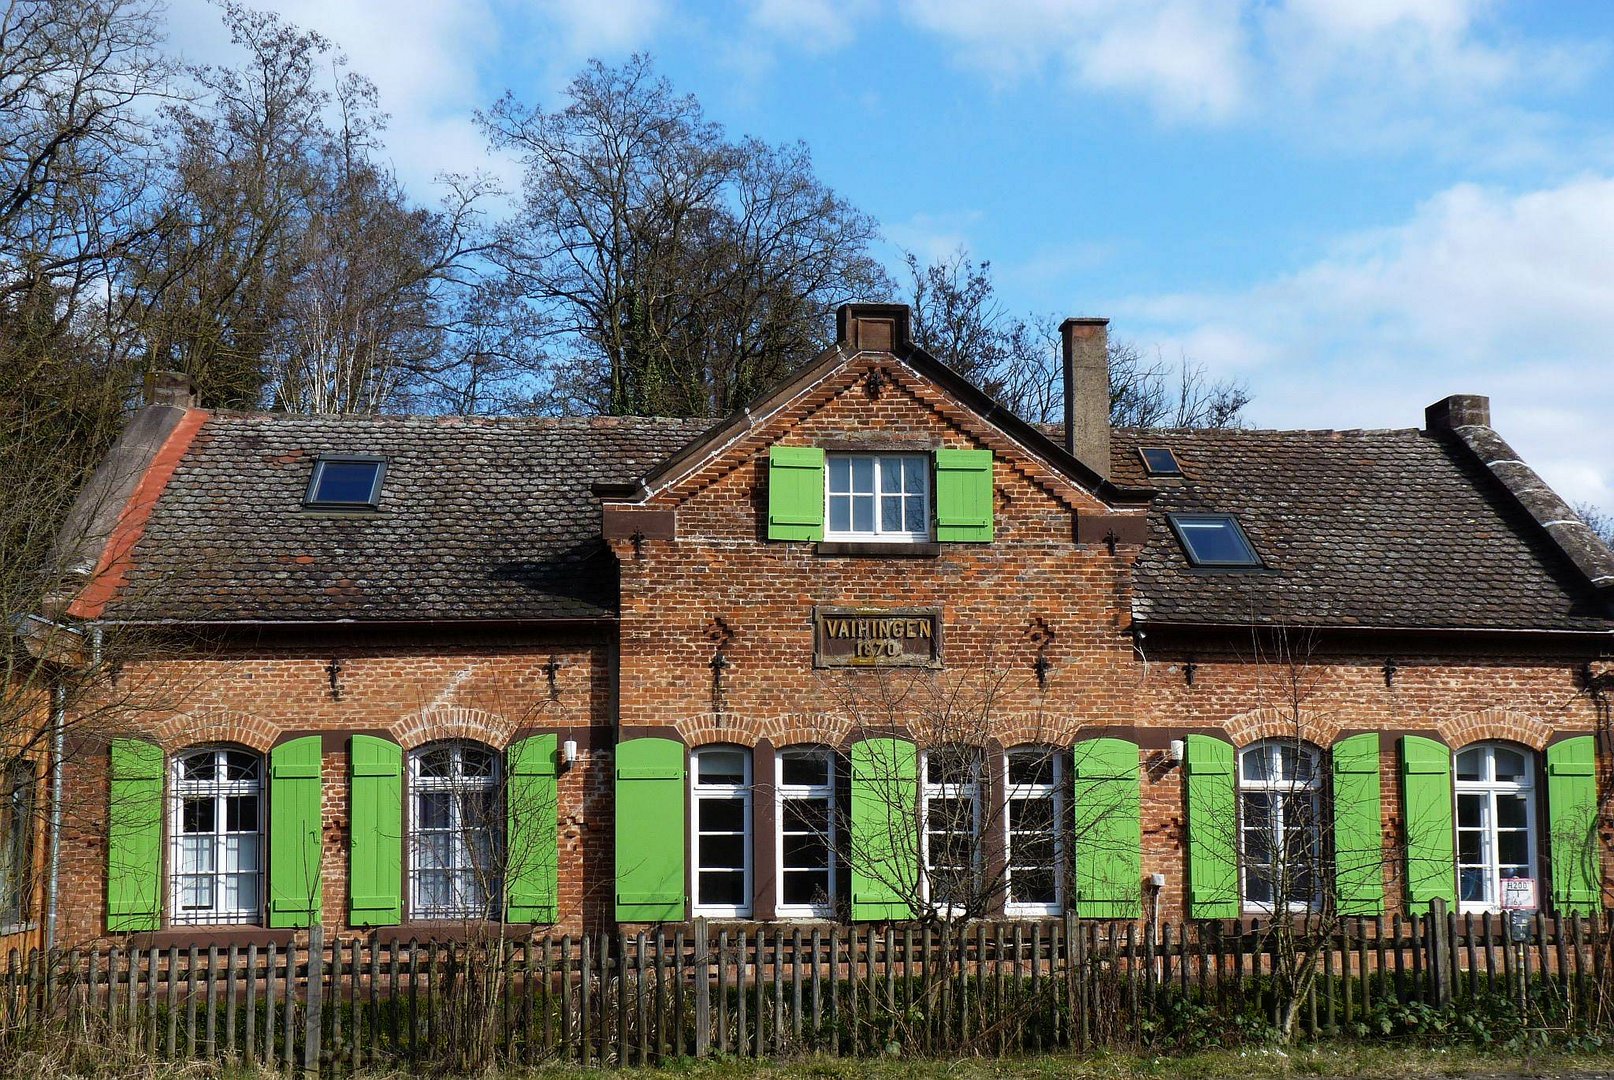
(872, 643)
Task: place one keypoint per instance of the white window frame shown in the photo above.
(877, 535)
(224, 861)
(700, 793)
(824, 793)
(971, 792)
(462, 859)
(1055, 790)
(1493, 790)
(1278, 785)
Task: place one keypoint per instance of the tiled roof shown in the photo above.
(1397, 528)
(478, 518)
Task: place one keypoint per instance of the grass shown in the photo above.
(1345, 1060)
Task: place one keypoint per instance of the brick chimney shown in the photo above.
(1459, 410)
(173, 388)
(1087, 391)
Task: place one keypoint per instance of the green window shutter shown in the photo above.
(964, 495)
(650, 836)
(375, 844)
(1109, 834)
(1358, 829)
(134, 837)
(795, 493)
(1577, 868)
(532, 828)
(1426, 802)
(1213, 864)
(884, 841)
(294, 833)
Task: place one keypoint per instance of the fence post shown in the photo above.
(1439, 952)
(311, 996)
(703, 989)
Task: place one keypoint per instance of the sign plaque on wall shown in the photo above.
(876, 637)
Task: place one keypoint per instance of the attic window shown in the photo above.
(346, 483)
(1213, 540)
(1159, 461)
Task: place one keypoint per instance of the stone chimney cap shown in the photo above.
(873, 327)
(1459, 410)
(174, 388)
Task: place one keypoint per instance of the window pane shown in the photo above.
(722, 887)
(891, 513)
(1214, 541)
(952, 765)
(244, 852)
(436, 762)
(433, 889)
(1513, 848)
(914, 516)
(840, 514)
(197, 815)
(913, 473)
(1510, 812)
(346, 481)
(433, 810)
(863, 474)
(840, 474)
(1509, 766)
(721, 766)
(1258, 886)
(1033, 767)
(722, 815)
(1032, 886)
(1469, 763)
(241, 813)
(806, 815)
(1469, 846)
(863, 513)
(239, 766)
(476, 761)
(1471, 811)
(1257, 764)
(805, 850)
(721, 851)
(805, 769)
(891, 474)
(197, 766)
(1471, 884)
(806, 887)
(1033, 849)
(1029, 814)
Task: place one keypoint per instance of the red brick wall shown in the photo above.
(415, 693)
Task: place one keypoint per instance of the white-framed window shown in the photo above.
(1496, 822)
(1035, 848)
(721, 790)
(1279, 824)
(455, 827)
(882, 497)
(215, 836)
(809, 869)
(952, 825)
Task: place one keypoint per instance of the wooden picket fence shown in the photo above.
(771, 991)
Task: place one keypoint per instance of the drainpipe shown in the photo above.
(58, 724)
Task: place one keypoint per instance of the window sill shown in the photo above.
(878, 549)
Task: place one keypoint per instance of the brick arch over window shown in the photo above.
(1272, 723)
(807, 729)
(1035, 730)
(706, 729)
(453, 722)
(1495, 725)
(216, 725)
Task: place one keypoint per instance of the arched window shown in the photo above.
(216, 836)
(810, 868)
(1279, 815)
(952, 833)
(1035, 849)
(454, 829)
(1496, 822)
(722, 832)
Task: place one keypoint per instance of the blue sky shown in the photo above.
(1356, 206)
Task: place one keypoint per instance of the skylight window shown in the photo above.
(1160, 461)
(1213, 540)
(352, 483)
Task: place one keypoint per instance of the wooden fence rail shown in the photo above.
(767, 991)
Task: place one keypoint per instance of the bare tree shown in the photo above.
(959, 319)
(675, 270)
(1598, 520)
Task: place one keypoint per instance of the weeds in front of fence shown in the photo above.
(625, 1000)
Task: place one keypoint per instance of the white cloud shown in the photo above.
(1481, 291)
(1399, 72)
(602, 27)
(815, 25)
